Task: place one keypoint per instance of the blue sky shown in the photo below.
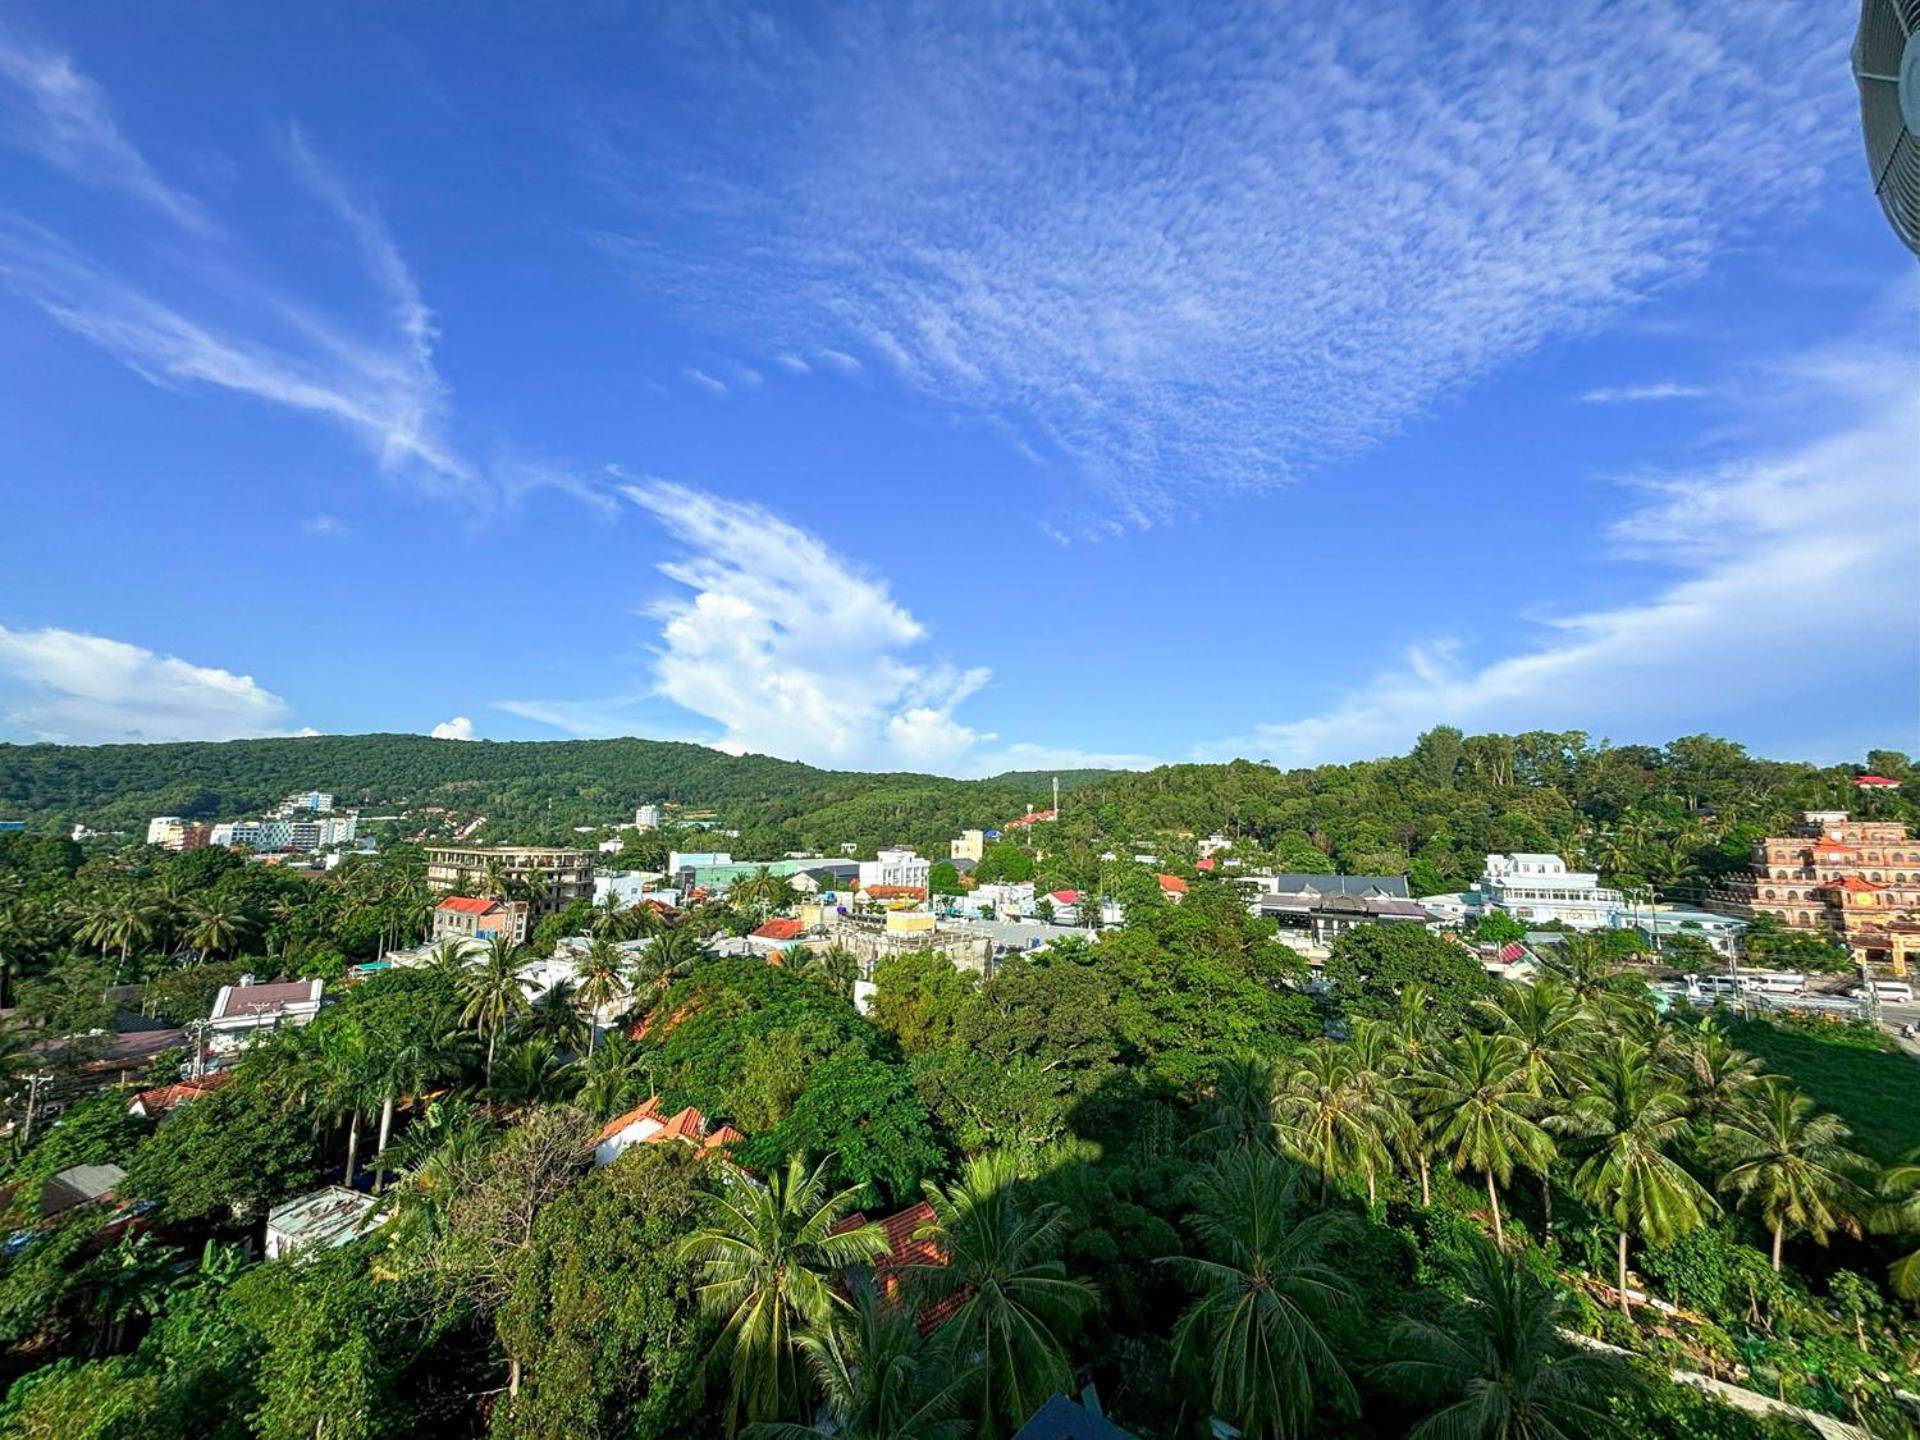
(951, 388)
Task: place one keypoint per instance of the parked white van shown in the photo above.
(1774, 982)
(1712, 985)
(1887, 992)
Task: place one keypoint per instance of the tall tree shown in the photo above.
(1477, 1097)
(1505, 1370)
(493, 992)
(1002, 1260)
(767, 1256)
(1626, 1116)
(1790, 1161)
(1264, 1293)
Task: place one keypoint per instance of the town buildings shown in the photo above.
(972, 845)
(170, 832)
(1315, 910)
(1855, 881)
(895, 867)
(320, 1220)
(479, 918)
(1539, 889)
(647, 817)
(241, 1011)
(551, 878)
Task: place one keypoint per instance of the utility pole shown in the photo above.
(34, 1082)
(197, 1033)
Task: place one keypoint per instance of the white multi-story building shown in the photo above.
(166, 830)
(894, 867)
(1539, 889)
(647, 817)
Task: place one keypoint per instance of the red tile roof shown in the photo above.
(1868, 782)
(633, 1117)
(1173, 884)
(1206, 864)
(1852, 882)
(689, 1124)
(897, 892)
(468, 905)
(725, 1135)
(1511, 951)
(905, 1246)
(1832, 844)
(165, 1098)
(1036, 818)
(1065, 897)
(781, 929)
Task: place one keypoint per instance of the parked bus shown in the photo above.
(1712, 985)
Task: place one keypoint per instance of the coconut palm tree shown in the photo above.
(668, 957)
(1546, 1020)
(1263, 1293)
(1505, 1371)
(425, 1055)
(1002, 1253)
(1606, 994)
(1900, 1214)
(214, 928)
(603, 972)
(1626, 1115)
(766, 1257)
(1242, 1109)
(1720, 1077)
(834, 966)
(532, 1071)
(1329, 1117)
(611, 1078)
(1782, 1154)
(493, 992)
(880, 1377)
(554, 1016)
(1477, 1098)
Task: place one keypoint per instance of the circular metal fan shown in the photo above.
(1886, 63)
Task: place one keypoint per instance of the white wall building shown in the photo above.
(1539, 888)
(165, 830)
(647, 817)
(894, 867)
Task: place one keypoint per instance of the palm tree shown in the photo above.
(554, 1015)
(1900, 1189)
(668, 957)
(1719, 1076)
(1628, 1113)
(882, 1379)
(603, 972)
(1263, 1292)
(834, 966)
(1477, 1097)
(1506, 1372)
(1546, 1020)
(1791, 1161)
(612, 1075)
(1329, 1117)
(214, 928)
(1580, 963)
(427, 1054)
(1242, 1109)
(449, 959)
(531, 1072)
(1002, 1256)
(767, 1256)
(492, 992)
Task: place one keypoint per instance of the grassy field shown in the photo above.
(1875, 1091)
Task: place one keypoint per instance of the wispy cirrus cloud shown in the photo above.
(1784, 573)
(73, 688)
(1643, 394)
(712, 384)
(51, 108)
(1217, 249)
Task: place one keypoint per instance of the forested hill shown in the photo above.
(527, 789)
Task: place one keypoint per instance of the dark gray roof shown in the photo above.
(1386, 887)
(1061, 1419)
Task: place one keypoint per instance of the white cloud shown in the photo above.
(785, 646)
(1638, 394)
(794, 363)
(1211, 251)
(323, 527)
(713, 385)
(64, 686)
(839, 360)
(458, 728)
(1789, 583)
(52, 109)
(748, 376)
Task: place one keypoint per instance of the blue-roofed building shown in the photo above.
(1062, 1419)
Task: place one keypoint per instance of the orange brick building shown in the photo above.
(1855, 881)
